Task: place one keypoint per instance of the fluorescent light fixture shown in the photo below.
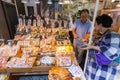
(37, 1)
(49, 2)
(60, 2)
(118, 5)
(24, 1)
(68, 2)
(113, 0)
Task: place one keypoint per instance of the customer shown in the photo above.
(81, 32)
(102, 60)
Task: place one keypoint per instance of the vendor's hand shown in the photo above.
(75, 36)
(83, 40)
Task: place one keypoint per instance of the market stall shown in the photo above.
(35, 50)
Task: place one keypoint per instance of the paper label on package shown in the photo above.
(64, 61)
(76, 71)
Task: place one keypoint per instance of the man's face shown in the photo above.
(84, 17)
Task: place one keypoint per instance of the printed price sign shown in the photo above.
(76, 71)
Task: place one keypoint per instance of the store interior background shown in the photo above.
(9, 21)
(57, 7)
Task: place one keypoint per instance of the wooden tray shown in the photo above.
(2, 70)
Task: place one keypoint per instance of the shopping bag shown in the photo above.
(101, 59)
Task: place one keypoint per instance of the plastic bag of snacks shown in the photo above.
(59, 73)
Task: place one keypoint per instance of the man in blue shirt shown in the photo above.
(81, 31)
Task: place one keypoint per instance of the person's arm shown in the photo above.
(87, 36)
(86, 39)
(74, 33)
(96, 48)
(87, 47)
(109, 47)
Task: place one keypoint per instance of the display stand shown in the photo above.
(16, 73)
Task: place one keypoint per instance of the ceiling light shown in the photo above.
(49, 2)
(24, 1)
(118, 5)
(60, 2)
(68, 2)
(113, 0)
(37, 1)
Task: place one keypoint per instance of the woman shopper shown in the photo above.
(102, 59)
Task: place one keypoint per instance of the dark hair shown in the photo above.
(105, 20)
(84, 10)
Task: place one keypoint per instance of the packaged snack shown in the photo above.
(47, 61)
(12, 62)
(26, 43)
(15, 50)
(35, 42)
(3, 62)
(59, 73)
(64, 61)
(25, 62)
(9, 50)
(20, 43)
(67, 48)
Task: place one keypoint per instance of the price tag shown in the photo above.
(76, 71)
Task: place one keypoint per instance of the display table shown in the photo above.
(32, 70)
(35, 56)
(29, 71)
